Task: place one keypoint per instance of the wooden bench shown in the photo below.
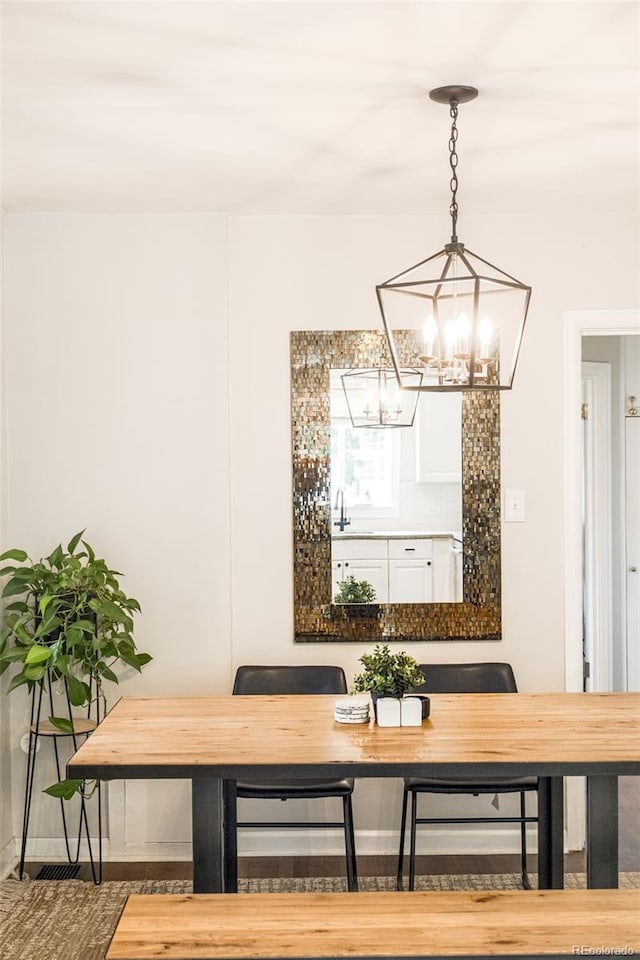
(514, 923)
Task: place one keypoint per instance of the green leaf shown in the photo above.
(55, 558)
(47, 626)
(18, 681)
(44, 602)
(64, 789)
(107, 608)
(18, 606)
(73, 636)
(79, 692)
(14, 587)
(38, 654)
(90, 551)
(128, 655)
(13, 654)
(73, 543)
(34, 672)
(19, 555)
(62, 724)
(107, 673)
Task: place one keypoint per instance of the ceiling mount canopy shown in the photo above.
(454, 316)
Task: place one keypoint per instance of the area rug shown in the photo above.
(74, 920)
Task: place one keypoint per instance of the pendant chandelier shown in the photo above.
(375, 400)
(454, 316)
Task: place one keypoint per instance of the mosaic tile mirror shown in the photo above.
(435, 570)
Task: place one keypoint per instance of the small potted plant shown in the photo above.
(357, 598)
(388, 677)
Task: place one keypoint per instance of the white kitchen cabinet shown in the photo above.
(410, 581)
(363, 560)
(374, 571)
(411, 571)
(439, 438)
(400, 569)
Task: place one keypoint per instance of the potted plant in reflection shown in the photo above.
(388, 677)
(357, 597)
(68, 626)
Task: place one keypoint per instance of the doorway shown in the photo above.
(579, 324)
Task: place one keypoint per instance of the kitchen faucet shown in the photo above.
(342, 522)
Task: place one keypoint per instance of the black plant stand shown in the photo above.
(39, 727)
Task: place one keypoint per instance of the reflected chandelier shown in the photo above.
(454, 316)
(375, 400)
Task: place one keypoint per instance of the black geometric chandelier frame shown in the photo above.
(454, 315)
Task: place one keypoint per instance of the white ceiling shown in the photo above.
(318, 107)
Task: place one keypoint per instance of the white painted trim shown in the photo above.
(312, 843)
(632, 579)
(576, 324)
(596, 377)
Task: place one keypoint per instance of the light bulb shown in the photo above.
(485, 336)
(449, 339)
(429, 332)
(463, 328)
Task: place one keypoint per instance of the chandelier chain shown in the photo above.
(453, 163)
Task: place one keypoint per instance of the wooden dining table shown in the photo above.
(216, 741)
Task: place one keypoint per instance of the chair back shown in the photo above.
(290, 679)
(467, 678)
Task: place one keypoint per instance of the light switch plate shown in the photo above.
(514, 506)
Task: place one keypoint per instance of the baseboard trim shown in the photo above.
(307, 843)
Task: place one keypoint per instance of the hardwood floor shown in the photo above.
(629, 853)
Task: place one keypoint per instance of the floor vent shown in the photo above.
(58, 871)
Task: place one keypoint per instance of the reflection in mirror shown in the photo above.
(343, 487)
(396, 494)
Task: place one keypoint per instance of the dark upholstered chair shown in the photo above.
(464, 678)
(300, 680)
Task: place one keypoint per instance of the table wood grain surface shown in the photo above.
(421, 924)
(224, 736)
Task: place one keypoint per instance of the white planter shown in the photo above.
(399, 712)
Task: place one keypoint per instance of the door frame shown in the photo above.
(576, 324)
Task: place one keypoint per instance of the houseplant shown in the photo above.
(388, 675)
(357, 598)
(69, 624)
(355, 591)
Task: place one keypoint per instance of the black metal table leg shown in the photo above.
(207, 825)
(602, 832)
(230, 836)
(550, 833)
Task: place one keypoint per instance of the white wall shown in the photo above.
(144, 405)
(116, 398)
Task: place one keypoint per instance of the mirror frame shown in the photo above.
(318, 620)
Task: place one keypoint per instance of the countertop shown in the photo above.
(395, 535)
